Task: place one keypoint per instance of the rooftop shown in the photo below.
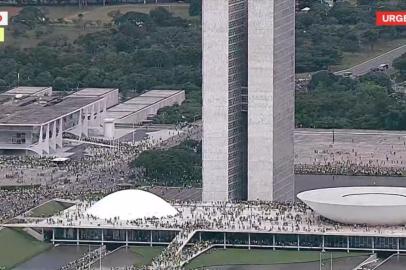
(257, 217)
(33, 111)
(93, 92)
(26, 90)
(139, 103)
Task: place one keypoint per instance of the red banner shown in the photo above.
(391, 18)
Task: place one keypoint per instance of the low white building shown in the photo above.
(33, 119)
(139, 109)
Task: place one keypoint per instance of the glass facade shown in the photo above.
(230, 239)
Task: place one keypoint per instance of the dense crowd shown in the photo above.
(349, 169)
(254, 216)
(86, 260)
(96, 172)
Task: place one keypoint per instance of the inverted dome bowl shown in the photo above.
(359, 205)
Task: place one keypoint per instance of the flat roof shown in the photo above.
(124, 107)
(144, 100)
(34, 113)
(161, 93)
(26, 90)
(93, 91)
(139, 103)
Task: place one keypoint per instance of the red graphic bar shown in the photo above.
(391, 18)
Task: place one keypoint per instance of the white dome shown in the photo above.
(131, 204)
(359, 205)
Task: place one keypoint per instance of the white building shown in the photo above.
(34, 120)
(248, 99)
(359, 205)
(137, 110)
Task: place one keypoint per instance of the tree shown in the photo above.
(43, 79)
(195, 8)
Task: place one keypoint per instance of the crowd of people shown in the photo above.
(350, 152)
(86, 260)
(348, 169)
(97, 171)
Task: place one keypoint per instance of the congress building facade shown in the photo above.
(248, 99)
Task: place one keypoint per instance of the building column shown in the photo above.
(126, 238)
(53, 138)
(373, 245)
(249, 241)
(53, 236)
(273, 241)
(104, 111)
(348, 244)
(102, 236)
(46, 144)
(398, 245)
(59, 141)
(99, 114)
(80, 123)
(41, 141)
(150, 239)
(224, 240)
(92, 112)
(77, 236)
(298, 242)
(322, 243)
(200, 236)
(85, 126)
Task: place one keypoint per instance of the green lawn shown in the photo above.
(17, 247)
(94, 13)
(49, 209)
(259, 257)
(144, 254)
(353, 59)
(74, 29)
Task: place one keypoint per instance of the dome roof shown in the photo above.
(131, 204)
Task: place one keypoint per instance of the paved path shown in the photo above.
(365, 67)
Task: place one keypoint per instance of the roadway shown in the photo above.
(365, 67)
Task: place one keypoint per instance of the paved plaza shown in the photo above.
(362, 147)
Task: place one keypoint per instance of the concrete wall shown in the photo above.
(142, 114)
(215, 100)
(284, 100)
(260, 99)
(271, 99)
(112, 98)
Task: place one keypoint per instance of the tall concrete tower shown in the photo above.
(271, 86)
(248, 99)
(224, 74)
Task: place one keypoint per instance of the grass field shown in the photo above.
(17, 247)
(97, 15)
(94, 13)
(49, 209)
(353, 59)
(258, 257)
(144, 255)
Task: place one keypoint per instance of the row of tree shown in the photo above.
(177, 166)
(323, 34)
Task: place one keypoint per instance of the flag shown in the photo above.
(3, 18)
(1, 34)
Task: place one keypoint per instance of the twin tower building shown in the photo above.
(248, 99)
